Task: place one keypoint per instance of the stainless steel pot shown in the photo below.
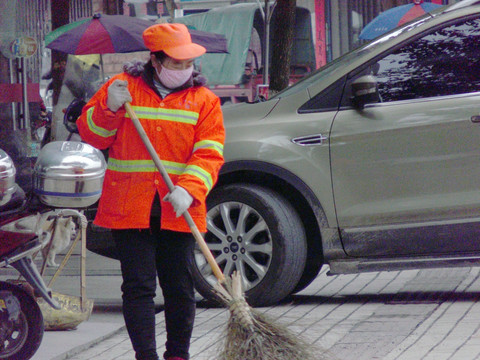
(69, 174)
(7, 177)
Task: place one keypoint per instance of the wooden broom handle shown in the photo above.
(186, 215)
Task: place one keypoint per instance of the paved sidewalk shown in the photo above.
(103, 287)
(59, 345)
(399, 315)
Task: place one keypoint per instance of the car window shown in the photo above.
(327, 70)
(444, 62)
(327, 100)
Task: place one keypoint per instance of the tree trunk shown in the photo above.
(283, 32)
(170, 5)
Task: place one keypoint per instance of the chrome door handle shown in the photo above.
(475, 118)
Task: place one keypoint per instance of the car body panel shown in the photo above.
(393, 166)
(271, 143)
(397, 180)
(406, 165)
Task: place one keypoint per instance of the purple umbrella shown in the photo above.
(213, 42)
(109, 34)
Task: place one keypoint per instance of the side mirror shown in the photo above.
(365, 91)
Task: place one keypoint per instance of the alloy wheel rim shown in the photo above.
(240, 240)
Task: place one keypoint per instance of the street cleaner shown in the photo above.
(184, 122)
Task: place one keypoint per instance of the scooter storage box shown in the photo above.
(69, 174)
(7, 177)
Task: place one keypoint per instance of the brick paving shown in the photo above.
(399, 315)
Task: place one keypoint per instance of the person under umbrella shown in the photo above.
(184, 122)
(116, 34)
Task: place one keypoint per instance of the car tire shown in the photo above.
(309, 275)
(255, 231)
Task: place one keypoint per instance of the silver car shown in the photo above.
(371, 163)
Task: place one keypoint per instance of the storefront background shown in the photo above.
(336, 25)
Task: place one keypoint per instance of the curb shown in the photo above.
(80, 348)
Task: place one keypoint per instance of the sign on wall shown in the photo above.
(23, 47)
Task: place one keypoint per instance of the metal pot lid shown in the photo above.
(7, 168)
(64, 159)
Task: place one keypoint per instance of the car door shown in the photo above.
(406, 169)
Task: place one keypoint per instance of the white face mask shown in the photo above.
(174, 78)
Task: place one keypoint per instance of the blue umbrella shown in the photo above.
(394, 17)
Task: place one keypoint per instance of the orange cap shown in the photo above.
(173, 39)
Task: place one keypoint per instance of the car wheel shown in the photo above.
(256, 232)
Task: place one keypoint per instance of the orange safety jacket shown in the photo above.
(185, 128)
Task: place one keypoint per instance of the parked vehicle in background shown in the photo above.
(369, 164)
(66, 174)
(234, 77)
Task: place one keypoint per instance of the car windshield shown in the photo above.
(337, 64)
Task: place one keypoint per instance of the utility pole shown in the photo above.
(266, 52)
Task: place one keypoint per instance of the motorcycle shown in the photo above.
(67, 177)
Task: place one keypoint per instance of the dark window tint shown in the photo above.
(327, 100)
(445, 62)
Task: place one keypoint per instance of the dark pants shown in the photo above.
(143, 255)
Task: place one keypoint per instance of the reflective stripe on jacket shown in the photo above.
(185, 128)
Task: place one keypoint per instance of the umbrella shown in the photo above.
(213, 42)
(394, 17)
(110, 34)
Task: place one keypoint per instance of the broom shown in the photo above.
(249, 334)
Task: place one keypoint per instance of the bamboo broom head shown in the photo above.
(250, 335)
